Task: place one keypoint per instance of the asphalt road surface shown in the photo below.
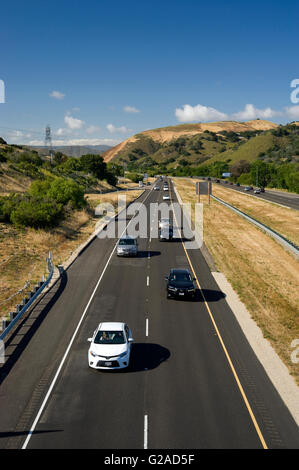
(193, 382)
(279, 197)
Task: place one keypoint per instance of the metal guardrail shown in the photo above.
(20, 311)
(280, 238)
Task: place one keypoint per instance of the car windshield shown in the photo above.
(109, 337)
(180, 277)
(127, 241)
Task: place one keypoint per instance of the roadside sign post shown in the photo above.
(198, 190)
(204, 188)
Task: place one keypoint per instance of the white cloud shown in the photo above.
(198, 113)
(63, 131)
(93, 129)
(292, 112)
(131, 109)
(57, 95)
(122, 130)
(251, 112)
(73, 123)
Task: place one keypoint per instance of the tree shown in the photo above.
(240, 167)
(260, 173)
(66, 190)
(93, 164)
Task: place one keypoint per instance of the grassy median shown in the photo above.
(264, 275)
(282, 220)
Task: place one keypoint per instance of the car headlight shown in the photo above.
(123, 354)
(191, 289)
(172, 288)
(92, 354)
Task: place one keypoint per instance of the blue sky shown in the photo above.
(99, 72)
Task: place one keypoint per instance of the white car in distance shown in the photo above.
(110, 346)
(164, 223)
(166, 197)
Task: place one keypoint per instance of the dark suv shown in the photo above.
(180, 284)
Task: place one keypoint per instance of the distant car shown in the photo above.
(164, 223)
(156, 188)
(257, 191)
(262, 190)
(110, 346)
(248, 188)
(166, 197)
(226, 182)
(237, 184)
(180, 284)
(165, 188)
(166, 233)
(217, 181)
(231, 183)
(127, 246)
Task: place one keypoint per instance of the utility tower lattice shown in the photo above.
(48, 141)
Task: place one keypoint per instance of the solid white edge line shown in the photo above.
(146, 327)
(145, 439)
(70, 343)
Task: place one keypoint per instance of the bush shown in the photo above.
(36, 213)
(64, 191)
(40, 188)
(135, 177)
(29, 169)
(245, 178)
(26, 157)
(61, 190)
(7, 205)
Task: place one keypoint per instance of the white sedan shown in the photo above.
(166, 197)
(110, 346)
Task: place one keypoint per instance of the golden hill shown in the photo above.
(166, 134)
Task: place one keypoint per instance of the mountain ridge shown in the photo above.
(167, 134)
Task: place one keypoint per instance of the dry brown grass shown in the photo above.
(12, 181)
(23, 253)
(264, 275)
(166, 134)
(285, 221)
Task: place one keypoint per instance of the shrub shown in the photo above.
(26, 157)
(29, 169)
(64, 191)
(36, 213)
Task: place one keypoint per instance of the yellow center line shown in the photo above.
(225, 350)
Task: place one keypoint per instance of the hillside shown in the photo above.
(20, 166)
(157, 139)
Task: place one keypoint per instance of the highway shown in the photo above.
(193, 382)
(279, 197)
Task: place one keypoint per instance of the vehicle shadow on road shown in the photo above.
(210, 295)
(144, 356)
(201, 295)
(147, 356)
(144, 254)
